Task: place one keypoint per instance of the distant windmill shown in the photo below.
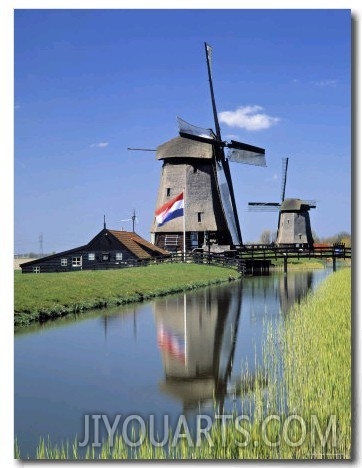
(294, 227)
(133, 219)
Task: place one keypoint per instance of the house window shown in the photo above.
(119, 255)
(105, 257)
(76, 261)
(63, 261)
(168, 191)
(91, 256)
(194, 239)
(199, 217)
(36, 269)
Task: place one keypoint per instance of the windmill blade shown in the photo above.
(246, 154)
(227, 197)
(208, 52)
(188, 129)
(284, 177)
(263, 206)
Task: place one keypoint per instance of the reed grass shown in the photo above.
(317, 362)
(308, 364)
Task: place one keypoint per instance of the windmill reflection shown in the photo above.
(292, 289)
(197, 335)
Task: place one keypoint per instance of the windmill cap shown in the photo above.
(295, 204)
(183, 148)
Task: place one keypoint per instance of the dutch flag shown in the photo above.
(170, 210)
(172, 343)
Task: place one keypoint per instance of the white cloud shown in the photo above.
(232, 136)
(248, 117)
(272, 179)
(101, 144)
(326, 83)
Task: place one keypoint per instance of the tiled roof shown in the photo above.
(137, 245)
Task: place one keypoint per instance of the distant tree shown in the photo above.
(265, 237)
(342, 237)
(315, 236)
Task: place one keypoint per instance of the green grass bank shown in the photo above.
(47, 296)
(305, 415)
(317, 363)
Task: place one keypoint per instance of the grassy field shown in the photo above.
(50, 295)
(308, 412)
(318, 363)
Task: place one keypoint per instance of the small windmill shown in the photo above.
(195, 163)
(294, 227)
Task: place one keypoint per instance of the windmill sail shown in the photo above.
(191, 130)
(246, 157)
(263, 206)
(222, 169)
(271, 206)
(284, 177)
(226, 200)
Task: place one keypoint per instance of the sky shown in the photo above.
(88, 84)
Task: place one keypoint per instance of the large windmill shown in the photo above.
(195, 163)
(294, 227)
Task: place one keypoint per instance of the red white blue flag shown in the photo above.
(170, 210)
(172, 343)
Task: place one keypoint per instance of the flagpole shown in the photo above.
(185, 329)
(184, 226)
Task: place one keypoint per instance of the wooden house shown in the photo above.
(108, 249)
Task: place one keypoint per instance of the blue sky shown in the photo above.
(90, 83)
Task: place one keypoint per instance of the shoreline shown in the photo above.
(62, 298)
(129, 291)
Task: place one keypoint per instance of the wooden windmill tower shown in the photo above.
(195, 163)
(294, 228)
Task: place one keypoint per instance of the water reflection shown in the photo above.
(196, 336)
(292, 288)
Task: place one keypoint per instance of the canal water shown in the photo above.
(181, 354)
